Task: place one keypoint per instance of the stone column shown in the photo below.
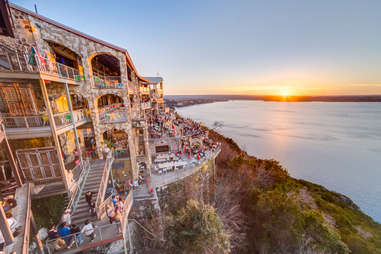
(132, 147)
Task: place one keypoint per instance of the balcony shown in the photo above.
(108, 82)
(13, 63)
(113, 114)
(39, 126)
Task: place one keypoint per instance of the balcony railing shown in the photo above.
(61, 119)
(25, 121)
(17, 61)
(108, 82)
(113, 115)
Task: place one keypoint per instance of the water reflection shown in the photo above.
(333, 144)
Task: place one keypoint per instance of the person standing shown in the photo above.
(88, 230)
(92, 209)
(89, 197)
(66, 217)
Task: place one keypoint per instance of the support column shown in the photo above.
(132, 147)
(95, 119)
(54, 134)
(12, 160)
(74, 122)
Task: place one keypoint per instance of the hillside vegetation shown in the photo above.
(281, 214)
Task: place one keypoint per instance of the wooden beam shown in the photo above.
(12, 162)
(4, 227)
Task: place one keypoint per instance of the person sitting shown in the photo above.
(53, 232)
(65, 234)
(88, 230)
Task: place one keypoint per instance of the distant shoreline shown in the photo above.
(189, 100)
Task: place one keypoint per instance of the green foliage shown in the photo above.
(196, 228)
(278, 223)
(48, 211)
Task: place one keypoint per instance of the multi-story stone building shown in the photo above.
(66, 100)
(64, 93)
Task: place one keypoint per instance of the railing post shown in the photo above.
(67, 73)
(26, 122)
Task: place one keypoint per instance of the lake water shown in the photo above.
(337, 145)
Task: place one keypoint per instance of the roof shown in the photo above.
(76, 32)
(154, 80)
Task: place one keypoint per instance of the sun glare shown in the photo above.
(285, 93)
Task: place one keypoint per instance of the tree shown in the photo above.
(196, 228)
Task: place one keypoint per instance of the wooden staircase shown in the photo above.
(92, 184)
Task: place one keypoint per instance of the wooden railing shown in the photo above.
(22, 214)
(104, 181)
(6, 173)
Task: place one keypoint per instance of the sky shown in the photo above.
(283, 47)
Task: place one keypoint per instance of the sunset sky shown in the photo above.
(300, 47)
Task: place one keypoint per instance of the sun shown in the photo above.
(285, 93)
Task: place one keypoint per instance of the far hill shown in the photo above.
(187, 100)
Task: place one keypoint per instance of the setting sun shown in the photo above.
(285, 93)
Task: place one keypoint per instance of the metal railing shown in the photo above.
(101, 235)
(25, 121)
(104, 181)
(81, 115)
(62, 119)
(79, 185)
(113, 115)
(17, 61)
(45, 65)
(108, 82)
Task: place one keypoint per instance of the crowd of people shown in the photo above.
(114, 211)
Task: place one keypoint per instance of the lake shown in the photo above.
(335, 144)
